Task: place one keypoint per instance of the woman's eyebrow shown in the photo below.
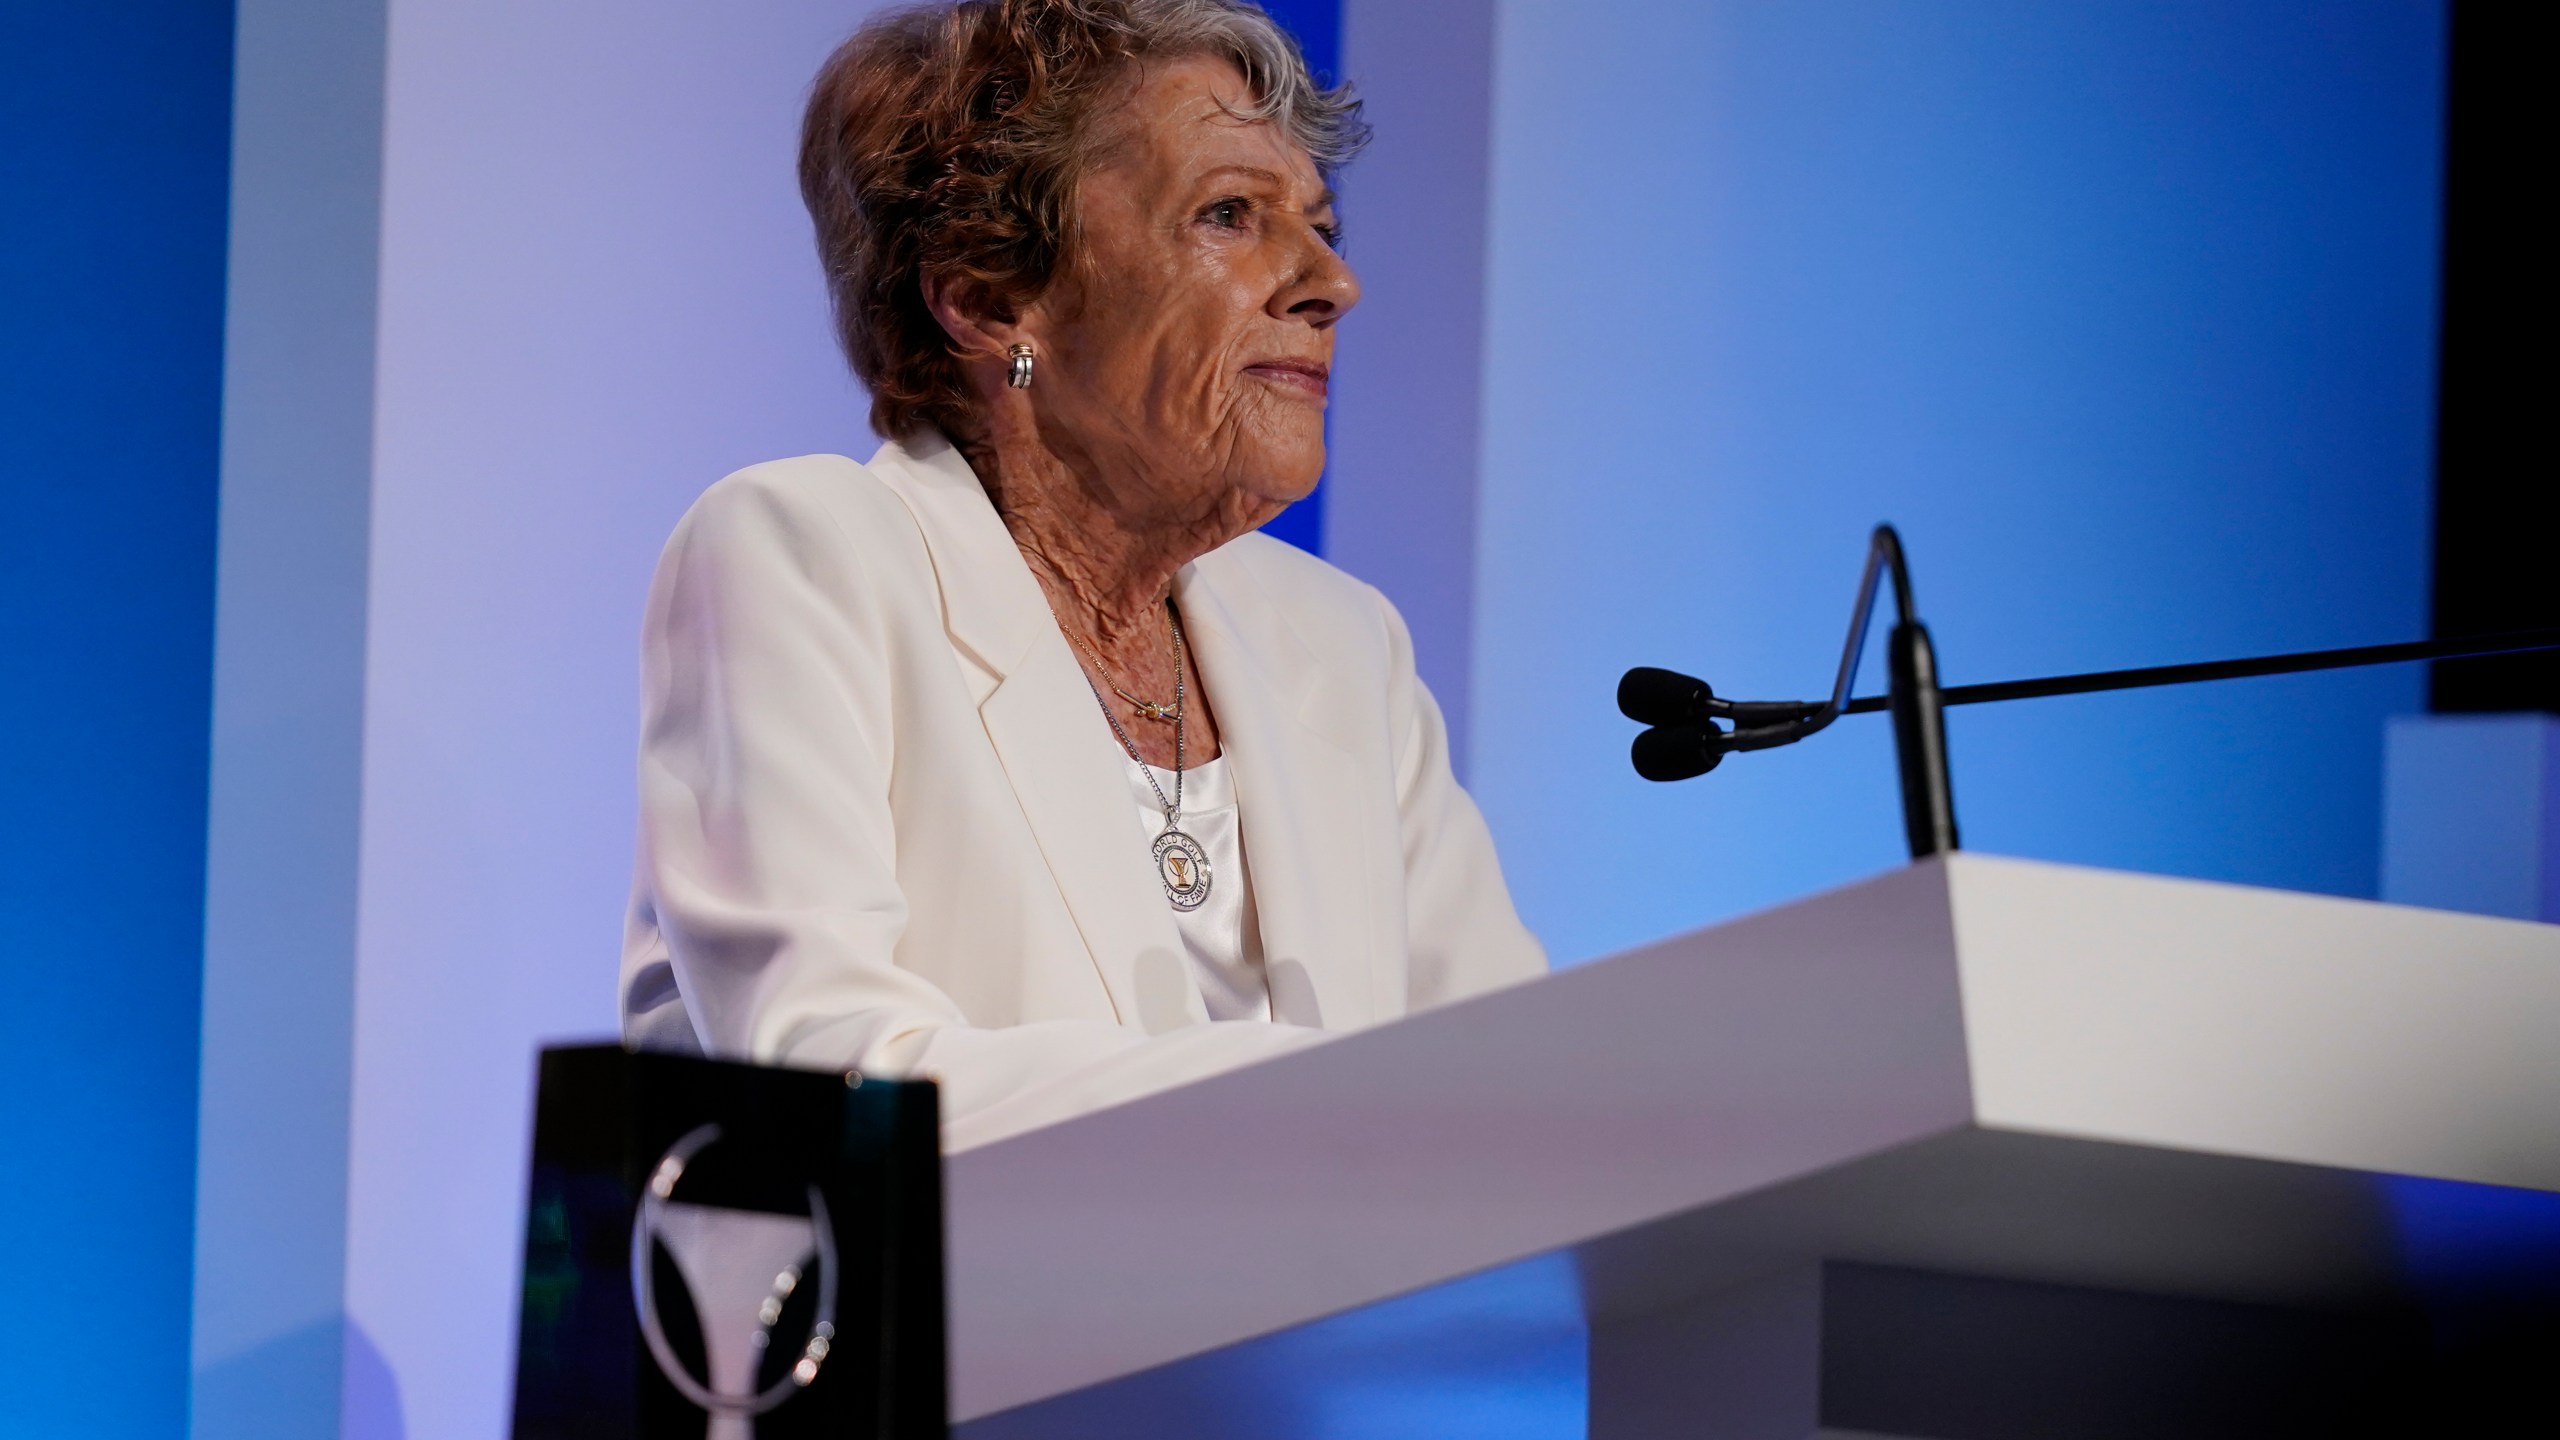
(1323, 199)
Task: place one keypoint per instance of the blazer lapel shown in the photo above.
(1307, 842)
(1057, 750)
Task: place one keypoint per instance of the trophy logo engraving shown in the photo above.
(742, 1267)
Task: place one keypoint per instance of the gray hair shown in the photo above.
(1324, 121)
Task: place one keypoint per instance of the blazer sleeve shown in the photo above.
(1463, 936)
(767, 844)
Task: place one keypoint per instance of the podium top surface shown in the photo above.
(2075, 1074)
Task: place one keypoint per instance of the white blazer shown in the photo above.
(883, 825)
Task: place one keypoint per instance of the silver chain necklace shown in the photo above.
(1181, 864)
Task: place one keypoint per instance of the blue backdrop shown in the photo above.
(2125, 313)
(114, 146)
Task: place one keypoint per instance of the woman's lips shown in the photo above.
(1306, 377)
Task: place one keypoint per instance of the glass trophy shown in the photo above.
(728, 1252)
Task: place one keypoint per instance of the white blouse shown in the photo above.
(1223, 937)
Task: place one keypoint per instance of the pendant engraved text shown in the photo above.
(1184, 868)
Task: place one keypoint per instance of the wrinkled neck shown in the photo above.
(1106, 556)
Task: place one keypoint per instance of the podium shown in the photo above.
(1934, 1139)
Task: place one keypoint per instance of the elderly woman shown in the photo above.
(1015, 758)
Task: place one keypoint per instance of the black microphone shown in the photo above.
(1677, 752)
(1684, 752)
(1652, 696)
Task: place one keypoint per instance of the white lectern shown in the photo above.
(1754, 1140)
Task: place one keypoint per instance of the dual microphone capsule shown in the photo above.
(1688, 735)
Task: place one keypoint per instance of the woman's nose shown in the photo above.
(1322, 289)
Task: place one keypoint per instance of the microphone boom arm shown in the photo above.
(2459, 647)
(1685, 738)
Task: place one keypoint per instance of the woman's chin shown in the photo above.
(1285, 467)
(1268, 463)
(1284, 485)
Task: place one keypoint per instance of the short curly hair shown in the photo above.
(946, 141)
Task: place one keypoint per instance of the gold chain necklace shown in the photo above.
(1148, 709)
(1182, 863)
(1151, 709)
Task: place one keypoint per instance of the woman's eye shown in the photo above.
(1332, 235)
(1226, 214)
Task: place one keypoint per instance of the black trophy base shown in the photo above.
(708, 1241)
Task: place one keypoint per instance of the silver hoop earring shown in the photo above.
(1019, 377)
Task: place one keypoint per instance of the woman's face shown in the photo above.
(1183, 357)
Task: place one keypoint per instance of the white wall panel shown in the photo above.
(596, 295)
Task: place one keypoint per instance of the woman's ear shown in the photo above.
(980, 327)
